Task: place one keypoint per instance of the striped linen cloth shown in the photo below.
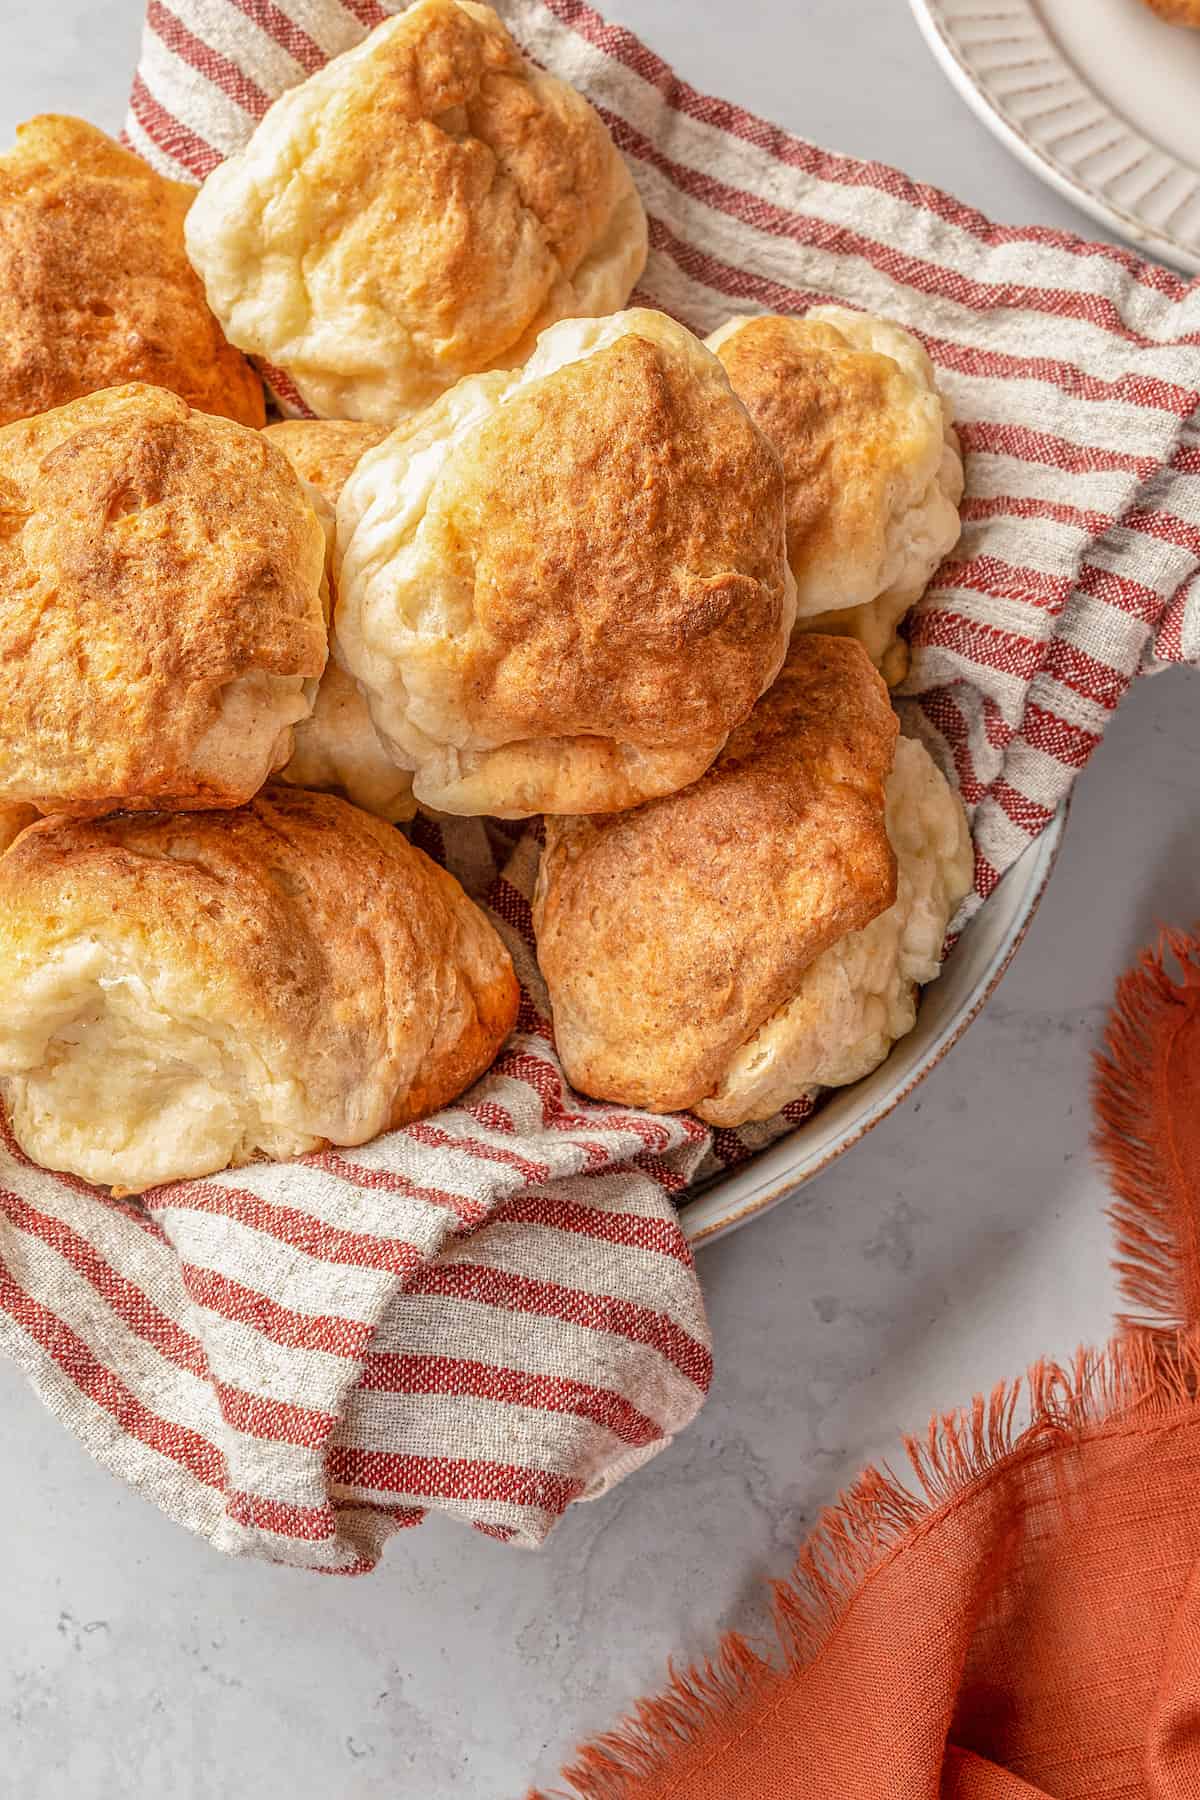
(495, 1312)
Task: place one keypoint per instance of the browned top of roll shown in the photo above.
(667, 935)
(95, 285)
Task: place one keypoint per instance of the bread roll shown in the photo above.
(337, 746)
(561, 589)
(164, 620)
(185, 992)
(417, 210)
(874, 472)
(669, 935)
(338, 749)
(861, 994)
(324, 452)
(95, 286)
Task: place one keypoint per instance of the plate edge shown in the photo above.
(1132, 230)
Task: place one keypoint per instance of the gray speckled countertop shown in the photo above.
(958, 1242)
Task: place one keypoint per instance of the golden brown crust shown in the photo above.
(624, 540)
(13, 820)
(325, 451)
(1177, 12)
(160, 605)
(831, 411)
(861, 994)
(561, 589)
(356, 970)
(668, 935)
(419, 209)
(95, 285)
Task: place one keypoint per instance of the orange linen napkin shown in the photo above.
(1029, 1627)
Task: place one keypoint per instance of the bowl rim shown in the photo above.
(752, 1189)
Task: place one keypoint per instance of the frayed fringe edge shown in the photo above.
(1149, 1260)
(1149, 1373)
(1146, 1375)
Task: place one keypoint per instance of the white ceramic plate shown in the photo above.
(1100, 97)
(948, 1006)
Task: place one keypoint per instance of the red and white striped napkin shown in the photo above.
(495, 1312)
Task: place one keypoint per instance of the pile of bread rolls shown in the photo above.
(534, 555)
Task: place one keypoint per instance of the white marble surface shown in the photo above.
(960, 1241)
